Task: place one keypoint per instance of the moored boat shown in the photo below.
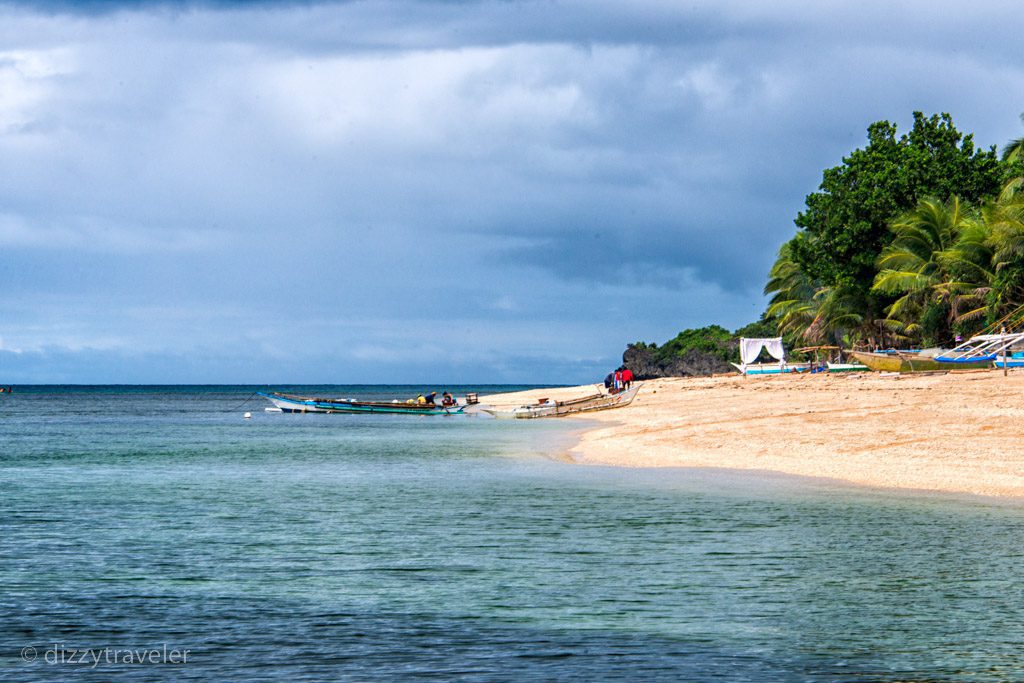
(304, 404)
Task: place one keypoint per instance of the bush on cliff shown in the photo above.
(693, 352)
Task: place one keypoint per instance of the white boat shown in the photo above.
(549, 408)
(770, 368)
(848, 368)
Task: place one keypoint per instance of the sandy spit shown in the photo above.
(956, 432)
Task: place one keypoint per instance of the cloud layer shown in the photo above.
(432, 191)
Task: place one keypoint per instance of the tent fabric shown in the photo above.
(750, 349)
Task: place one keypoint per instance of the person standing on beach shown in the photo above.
(627, 378)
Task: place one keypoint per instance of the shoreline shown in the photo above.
(953, 433)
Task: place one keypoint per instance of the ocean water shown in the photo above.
(358, 547)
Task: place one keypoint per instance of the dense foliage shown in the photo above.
(845, 225)
(700, 351)
(713, 339)
(911, 240)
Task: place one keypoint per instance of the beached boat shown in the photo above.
(988, 348)
(574, 406)
(770, 368)
(304, 404)
(909, 362)
(1016, 360)
(847, 367)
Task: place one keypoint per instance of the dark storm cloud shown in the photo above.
(217, 180)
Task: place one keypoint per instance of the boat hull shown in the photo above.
(771, 368)
(565, 408)
(848, 367)
(891, 362)
(302, 404)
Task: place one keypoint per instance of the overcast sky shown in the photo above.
(434, 191)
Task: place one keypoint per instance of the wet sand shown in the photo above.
(957, 432)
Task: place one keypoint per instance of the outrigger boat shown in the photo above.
(983, 348)
(915, 362)
(574, 406)
(832, 366)
(1014, 361)
(303, 404)
(847, 367)
(770, 368)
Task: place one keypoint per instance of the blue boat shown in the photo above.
(1014, 361)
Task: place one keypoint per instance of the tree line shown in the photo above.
(912, 240)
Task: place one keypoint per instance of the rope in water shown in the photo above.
(246, 400)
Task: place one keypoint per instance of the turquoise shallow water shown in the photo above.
(333, 547)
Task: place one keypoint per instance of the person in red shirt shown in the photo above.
(627, 378)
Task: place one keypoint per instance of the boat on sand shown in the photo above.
(306, 404)
(914, 362)
(847, 367)
(770, 368)
(549, 408)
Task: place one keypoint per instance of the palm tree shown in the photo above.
(970, 263)
(792, 303)
(927, 267)
(805, 310)
(838, 310)
(1014, 149)
(1004, 218)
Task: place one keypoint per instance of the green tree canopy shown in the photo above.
(844, 227)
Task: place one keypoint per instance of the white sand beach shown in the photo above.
(957, 432)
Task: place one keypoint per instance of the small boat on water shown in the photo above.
(548, 408)
(305, 404)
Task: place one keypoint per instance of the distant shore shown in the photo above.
(953, 433)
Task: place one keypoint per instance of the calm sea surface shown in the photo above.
(334, 547)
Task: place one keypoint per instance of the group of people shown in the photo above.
(447, 400)
(620, 380)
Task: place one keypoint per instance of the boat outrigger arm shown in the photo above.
(982, 347)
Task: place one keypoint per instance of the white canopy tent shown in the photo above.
(750, 349)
